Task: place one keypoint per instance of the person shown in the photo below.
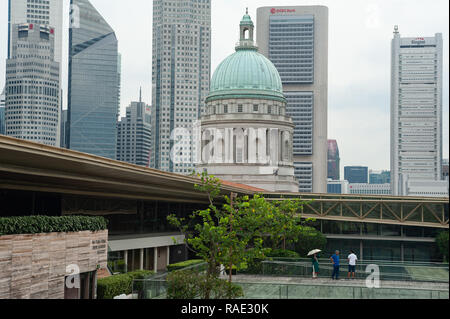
(315, 266)
(335, 261)
(351, 264)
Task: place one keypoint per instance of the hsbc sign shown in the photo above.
(273, 10)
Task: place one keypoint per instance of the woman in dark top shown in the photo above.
(315, 264)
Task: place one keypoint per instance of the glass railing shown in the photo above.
(157, 289)
(395, 271)
(398, 280)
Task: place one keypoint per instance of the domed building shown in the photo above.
(246, 136)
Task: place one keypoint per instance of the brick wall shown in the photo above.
(34, 266)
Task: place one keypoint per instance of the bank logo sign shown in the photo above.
(273, 10)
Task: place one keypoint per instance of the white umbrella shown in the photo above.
(314, 251)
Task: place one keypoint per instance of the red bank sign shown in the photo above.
(273, 10)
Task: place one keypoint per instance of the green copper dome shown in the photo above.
(246, 73)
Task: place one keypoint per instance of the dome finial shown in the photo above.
(246, 10)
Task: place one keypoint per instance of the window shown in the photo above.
(255, 108)
(240, 108)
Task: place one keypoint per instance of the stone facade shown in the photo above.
(34, 266)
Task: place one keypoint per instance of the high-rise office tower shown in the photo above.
(181, 70)
(383, 177)
(295, 39)
(333, 160)
(134, 134)
(2, 112)
(47, 13)
(44, 12)
(416, 110)
(356, 174)
(93, 84)
(32, 85)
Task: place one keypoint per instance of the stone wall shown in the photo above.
(34, 266)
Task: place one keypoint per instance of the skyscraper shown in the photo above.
(356, 174)
(2, 112)
(93, 84)
(32, 85)
(333, 160)
(180, 76)
(48, 13)
(295, 39)
(383, 177)
(134, 134)
(416, 110)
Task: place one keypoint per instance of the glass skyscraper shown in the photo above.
(181, 73)
(356, 174)
(93, 93)
(333, 160)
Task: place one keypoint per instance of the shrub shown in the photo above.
(184, 284)
(50, 224)
(109, 287)
(183, 264)
(190, 284)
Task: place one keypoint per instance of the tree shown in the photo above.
(442, 243)
(309, 238)
(233, 235)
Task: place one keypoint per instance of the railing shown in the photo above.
(396, 271)
(157, 289)
(420, 281)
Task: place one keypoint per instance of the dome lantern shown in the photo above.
(246, 33)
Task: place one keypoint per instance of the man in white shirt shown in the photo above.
(351, 264)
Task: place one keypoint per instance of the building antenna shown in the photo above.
(140, 94)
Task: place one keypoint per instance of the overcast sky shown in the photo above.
(360, 33)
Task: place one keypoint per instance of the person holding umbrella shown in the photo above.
(315, 262)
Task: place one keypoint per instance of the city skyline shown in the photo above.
(358, 80)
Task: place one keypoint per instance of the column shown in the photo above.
(402, 252)
(155, 259)
(361, 249)
(141, 259)
(125, 256)
(168, 255)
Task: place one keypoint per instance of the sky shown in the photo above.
(360, 33)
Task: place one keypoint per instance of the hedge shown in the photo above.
(50, 224)
(184, 264)
(112, 286)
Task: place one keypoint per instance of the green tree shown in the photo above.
(309, 238)
(442, 243)
(233, 235)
